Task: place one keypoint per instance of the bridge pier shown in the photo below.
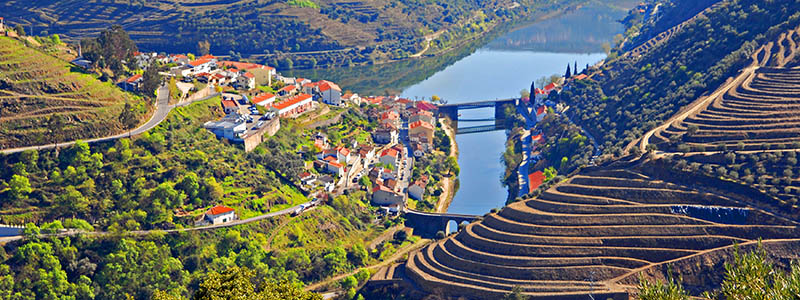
(450, 111)
(427, 225)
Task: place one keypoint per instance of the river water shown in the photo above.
(501, 69)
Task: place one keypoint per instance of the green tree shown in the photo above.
(72, 202)
(20, 30)
(190, 185)
(237, 283)
(128, 117)
(516, 294)
(151, 79)
(451, 165)
(19, 188)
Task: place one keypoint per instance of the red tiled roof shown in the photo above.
(305, 174)
(228, 104)
(200, 61)
(242, 65)
(219, 209)
(535, 179)
(249, 75)
(390, 152)
(581, 77)
(550, 86)
(420, 123)
(380, 187)
(288, 88)
(335, 164)
(426, 105)
(296, 99)
(133, 78)
(262, 97)
(325, 85)
(343, 150)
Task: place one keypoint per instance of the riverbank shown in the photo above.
(448, 183)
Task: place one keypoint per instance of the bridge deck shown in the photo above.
(486, 103)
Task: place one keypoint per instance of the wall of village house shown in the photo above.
(255, 139)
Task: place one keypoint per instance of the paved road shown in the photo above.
(289, 210)
(162, 110)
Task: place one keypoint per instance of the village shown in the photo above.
(255, 98)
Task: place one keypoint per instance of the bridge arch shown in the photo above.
(427, 224)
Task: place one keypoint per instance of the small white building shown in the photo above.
(331, 93)
(417, 189)
(389, 157)
(245, 81)
(218, 215)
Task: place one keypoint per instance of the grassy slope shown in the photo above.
(34, 85)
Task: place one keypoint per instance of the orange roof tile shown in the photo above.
(535, 179)
(219, 209)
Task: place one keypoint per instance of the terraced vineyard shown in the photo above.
(758, 110)
(594, 233)
(35, 86)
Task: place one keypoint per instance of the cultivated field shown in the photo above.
(35, 86)
(758, 110)
(593, 233)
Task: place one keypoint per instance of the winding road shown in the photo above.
(162, 110)
(286, 211)
(697, 106)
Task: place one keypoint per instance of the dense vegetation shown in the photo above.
(45, 100)
(628, 96)
(164, 179)
(750, 275)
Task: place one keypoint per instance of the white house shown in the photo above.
(417, 189)
(330, 92)
(265, 99)
(203, 65)
(293, 106)
(218, 215)
(389, 157)
(307, 178)
(246, 81)
(343, 155)
(328, 183)
(385, 196)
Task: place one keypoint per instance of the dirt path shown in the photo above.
(448, 183)
(697, 106)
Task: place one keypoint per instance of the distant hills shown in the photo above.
(256, 27)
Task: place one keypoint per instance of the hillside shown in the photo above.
(709, 127)
(598, 230)
(129, 191)
(632, 94)
(391, 29)
(44, 100)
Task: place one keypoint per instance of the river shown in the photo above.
(500, 68)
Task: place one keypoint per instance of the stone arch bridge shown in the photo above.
(426, 224)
